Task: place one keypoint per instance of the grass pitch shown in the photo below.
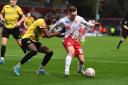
(110, 64)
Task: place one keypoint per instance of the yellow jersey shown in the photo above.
(28, 21)
(11, 15)
(34, 31)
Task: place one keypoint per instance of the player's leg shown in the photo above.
(32, 52)
(80, 54)
(17, 36)
(48, 54)
(3, 49)
(81, 64)
(70, 53)
(124, 36)
(120, 42)
(82, 39)
(22, 47)
(5, 36)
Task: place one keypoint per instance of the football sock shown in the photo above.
(68, 62)
(119, 44)
(47, 57)
(3, 49)
(80, 66)
(18, 65)
(28, 56)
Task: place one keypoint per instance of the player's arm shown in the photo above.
(45, 32)
(25, 24)
(32, 19)
(48, 34)
(21, 20)
(21, 14)
(2, 14)
(83, 21)
(59, 27)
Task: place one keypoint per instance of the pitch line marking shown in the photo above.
(104, 61)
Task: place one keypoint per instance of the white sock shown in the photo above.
(18, 65)
(67, 64)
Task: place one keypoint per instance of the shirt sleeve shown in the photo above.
(83, 21)
(20, 12)
(42, 24)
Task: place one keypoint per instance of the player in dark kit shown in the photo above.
(30, 41)
(124, 31)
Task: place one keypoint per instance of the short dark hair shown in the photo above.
(72, 9)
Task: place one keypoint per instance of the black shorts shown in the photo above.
(124, 32)
(14, 32)
(26, 41)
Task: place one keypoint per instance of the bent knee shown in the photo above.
(34, 52)
(50, 53)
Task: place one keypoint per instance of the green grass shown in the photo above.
(111, 65)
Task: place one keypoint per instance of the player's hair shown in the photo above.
(72, 9)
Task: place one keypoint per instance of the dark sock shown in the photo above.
(119, 44)
(28, 56)
(24, 50)
(3, 49)
(47, 57)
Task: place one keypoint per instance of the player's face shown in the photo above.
(72, 15)
(13, 2)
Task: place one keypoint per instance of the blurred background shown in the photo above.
(108, 12)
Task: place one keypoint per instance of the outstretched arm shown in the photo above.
(48, 34)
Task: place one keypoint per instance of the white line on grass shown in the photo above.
(102, 61)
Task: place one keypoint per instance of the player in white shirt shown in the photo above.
(72, 23)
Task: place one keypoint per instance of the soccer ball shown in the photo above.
(90, 72)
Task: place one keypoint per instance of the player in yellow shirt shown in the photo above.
(28, 20)
(30, 41)
(10, 16)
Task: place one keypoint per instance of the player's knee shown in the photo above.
(50, 53)
(71, 54)
(34, 52)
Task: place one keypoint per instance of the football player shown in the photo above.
(124, 31)
(30, 41)
(72, 24)
(10, 16)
